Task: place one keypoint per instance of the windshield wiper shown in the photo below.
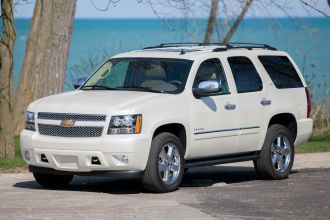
(141, 88)
(98, 86)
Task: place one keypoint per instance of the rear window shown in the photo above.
(245, 75)
(281, 71)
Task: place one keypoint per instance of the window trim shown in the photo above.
(224, 72)
(262, 83)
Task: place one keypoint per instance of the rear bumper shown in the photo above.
(75, 154)
(304, 131)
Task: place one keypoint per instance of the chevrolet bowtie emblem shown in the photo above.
(67, 123)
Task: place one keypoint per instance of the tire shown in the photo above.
(277, 154)
(52, 181)
(157, 169)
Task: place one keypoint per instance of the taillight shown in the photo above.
(309, 108)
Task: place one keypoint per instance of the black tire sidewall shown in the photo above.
(157, 144)
(273, 132)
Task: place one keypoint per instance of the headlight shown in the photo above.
(29, 121)
(125, 124)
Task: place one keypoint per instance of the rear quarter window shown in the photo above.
(281, 71)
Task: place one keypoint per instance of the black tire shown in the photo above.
(152, 181)
(52, 181)
(264, 166)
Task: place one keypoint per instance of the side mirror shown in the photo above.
(79, 82)
(206, 88)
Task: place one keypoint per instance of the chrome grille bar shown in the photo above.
(71, 116)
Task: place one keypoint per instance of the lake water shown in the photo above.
(306, 39)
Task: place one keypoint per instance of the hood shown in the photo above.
(94, 102)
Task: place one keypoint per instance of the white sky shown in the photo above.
(134, 9)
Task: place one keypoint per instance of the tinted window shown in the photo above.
(245, 74)
(281, 71)
(211, 70)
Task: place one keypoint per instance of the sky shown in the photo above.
(142, 9)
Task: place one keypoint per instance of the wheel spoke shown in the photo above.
(278, 142)
(280, 164)
(274, 148)
(175, 167)
(163, 154)
(170, 150)
(166, 174)
(274, 159)
(162, 167)
(286, 151)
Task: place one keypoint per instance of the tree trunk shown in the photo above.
(8, 36)
(46, 54)
(238, 20)
(211, 21)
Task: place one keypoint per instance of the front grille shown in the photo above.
(77, 131)
(71, 116)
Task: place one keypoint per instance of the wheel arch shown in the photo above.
(288, 120)
(178, 129)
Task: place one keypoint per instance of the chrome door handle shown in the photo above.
(265, 102)
(229, 106)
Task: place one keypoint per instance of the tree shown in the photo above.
(211, 21)
(46, 54)
(238, 20)
(8, 36)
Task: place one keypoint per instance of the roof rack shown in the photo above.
(223, 47)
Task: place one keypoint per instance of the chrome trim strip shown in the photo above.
(223, 130)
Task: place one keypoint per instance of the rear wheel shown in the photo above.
(277, 154)
(165, 165)
(52, 181)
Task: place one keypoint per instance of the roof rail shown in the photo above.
(224, 47)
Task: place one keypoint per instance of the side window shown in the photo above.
(281, 71)
(211, 70)
(245, 75)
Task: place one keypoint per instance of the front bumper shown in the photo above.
(75, 154)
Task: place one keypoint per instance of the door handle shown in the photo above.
(265, 102)
(230, 106)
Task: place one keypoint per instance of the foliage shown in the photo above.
(318, 143)
(18, 161)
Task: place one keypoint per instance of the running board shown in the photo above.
(222, 159)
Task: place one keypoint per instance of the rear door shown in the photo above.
(253, 101)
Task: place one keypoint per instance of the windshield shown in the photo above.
(141, 74)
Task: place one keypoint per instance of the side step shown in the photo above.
(222, 159)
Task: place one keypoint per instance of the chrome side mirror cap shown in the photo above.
(206, 88)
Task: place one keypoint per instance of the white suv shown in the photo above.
(160, 110)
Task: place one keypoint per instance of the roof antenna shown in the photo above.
(182, 52)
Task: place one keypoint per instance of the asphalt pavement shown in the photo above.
(218, 192)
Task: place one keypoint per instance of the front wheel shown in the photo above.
(52, 181)
(165, 165)
(277, 154)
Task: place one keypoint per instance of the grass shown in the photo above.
(318, 143)
(18, 161)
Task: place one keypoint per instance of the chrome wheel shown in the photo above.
(281, 154)
(169, 163)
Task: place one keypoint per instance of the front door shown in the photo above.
(214, 118)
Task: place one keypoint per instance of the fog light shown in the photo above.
(43, 158)
(95, 161)
(27, 155)
(121, 158)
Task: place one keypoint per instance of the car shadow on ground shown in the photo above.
(194, 177)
